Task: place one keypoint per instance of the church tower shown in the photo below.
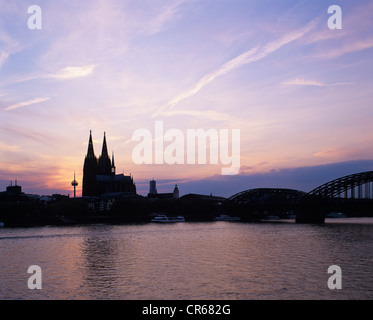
(104, 162)
(99, 175)
(112, 166)
(90, 170)
(176, 192)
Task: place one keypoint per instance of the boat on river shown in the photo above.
(162, 218)
(336, 215)
(224, 217)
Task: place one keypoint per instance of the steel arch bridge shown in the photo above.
(265, 195)
(352, 194)
(347, 187)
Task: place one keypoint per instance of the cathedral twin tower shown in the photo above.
(99, 175)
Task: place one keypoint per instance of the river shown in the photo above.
(209, 260)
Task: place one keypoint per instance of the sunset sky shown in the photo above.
(300, 93)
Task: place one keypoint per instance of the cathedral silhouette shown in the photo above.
(99, 176)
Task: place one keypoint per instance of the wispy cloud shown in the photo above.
(354, 37)
(315, 83)
(104, 30)
(252, 55)
(350, 47)
(8, 46)
(166, 14)
(225, 68)
(205, 114)
(67, 73)
(3, 57)
(26, 103)
(9, 148)
(72, 72)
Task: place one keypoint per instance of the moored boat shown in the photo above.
(224, 217)
(162, 218)
(336, 215)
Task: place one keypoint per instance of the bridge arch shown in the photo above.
(264, 195)
(358, 185)
(352, 193)
(260, 203)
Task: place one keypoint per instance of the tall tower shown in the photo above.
(90, 170)
(104, 162)
(152, 187)
(112, 166)
(74, 183)
(176, 192)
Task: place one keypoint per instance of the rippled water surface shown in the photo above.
(218, 260)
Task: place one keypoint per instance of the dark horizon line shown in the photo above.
(296, 178)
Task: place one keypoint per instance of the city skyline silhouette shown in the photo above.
(297, 89)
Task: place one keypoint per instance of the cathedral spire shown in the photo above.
(90, 152)
(90, 171)
(104, 152)
(104, 162)
(112, 165)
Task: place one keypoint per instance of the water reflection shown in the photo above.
(99, 250)
(217, 260)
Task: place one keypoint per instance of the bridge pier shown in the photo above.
(310, 217)
(311, 210)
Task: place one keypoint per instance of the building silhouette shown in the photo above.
(99, 174)
(15, 190)
(176, 192)
(153, 187)
(153, 193)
